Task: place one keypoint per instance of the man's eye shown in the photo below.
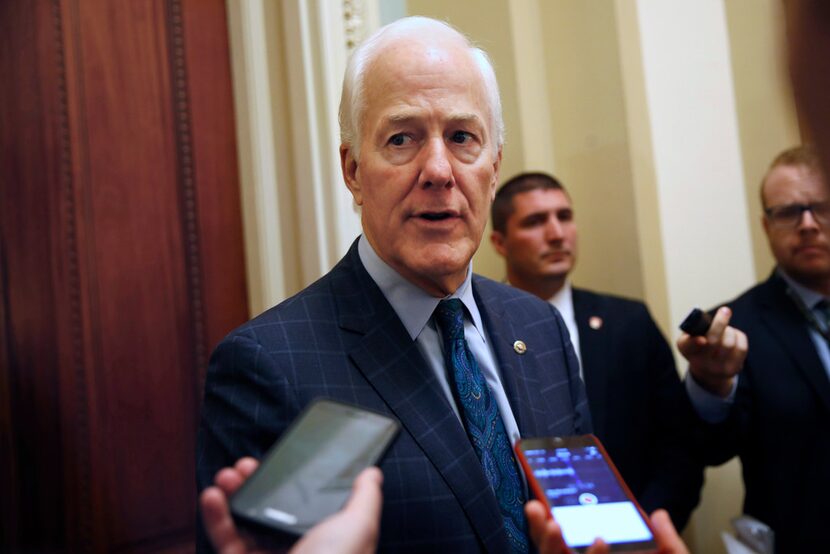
(534, 221)
(398, 140)
(461, 137)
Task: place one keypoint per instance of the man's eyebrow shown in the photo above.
(400, 117)
(534, 216)
(466, 118)
(410, 115)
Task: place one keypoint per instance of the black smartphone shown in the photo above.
(307, 475)
(696, 323)
(584, 493)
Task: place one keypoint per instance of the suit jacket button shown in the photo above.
(520, 347)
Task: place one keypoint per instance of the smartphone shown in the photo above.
(583, 491)
(307, 475)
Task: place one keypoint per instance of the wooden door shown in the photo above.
(121, 261)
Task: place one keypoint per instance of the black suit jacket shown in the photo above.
(780, 422)
(638, 405)
(340, 339)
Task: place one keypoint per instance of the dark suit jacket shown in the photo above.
(340, 339)
(780, 422)
(639, 408)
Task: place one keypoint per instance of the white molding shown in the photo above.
(533, 102)
(316, 41)
(308, 148)
(255, 146)
(288, 61)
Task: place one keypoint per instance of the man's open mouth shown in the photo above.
(435, 216)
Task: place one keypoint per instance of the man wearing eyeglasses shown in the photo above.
(775, 413)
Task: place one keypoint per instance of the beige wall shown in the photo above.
(591, 150)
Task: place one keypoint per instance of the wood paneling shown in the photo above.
(121, 251)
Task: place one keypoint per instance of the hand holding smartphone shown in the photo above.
(582, 490)
(307, 476)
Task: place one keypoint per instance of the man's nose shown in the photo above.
(437, 170)
(553, 229)
(807, 221)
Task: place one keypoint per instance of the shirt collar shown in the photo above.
(412, 304)
(809, 297)
(563, 299)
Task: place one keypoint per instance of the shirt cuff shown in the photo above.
(711, 408)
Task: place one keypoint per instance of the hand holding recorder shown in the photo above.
(716, 356)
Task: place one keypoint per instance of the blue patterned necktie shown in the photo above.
(483, 422)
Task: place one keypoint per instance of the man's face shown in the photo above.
(801, 250)
(427, 170)
(539, 242)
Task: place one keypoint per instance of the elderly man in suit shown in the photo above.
(637, 403)
(775, 411)
(401, 325)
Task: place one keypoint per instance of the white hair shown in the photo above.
(352, 98)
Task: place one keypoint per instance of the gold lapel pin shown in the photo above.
(595, 322)
(520, 347)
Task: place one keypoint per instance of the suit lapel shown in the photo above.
(788, 324)
(522, 376)
(591, 321)
(390, 360)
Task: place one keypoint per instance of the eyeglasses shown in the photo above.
(791, 214)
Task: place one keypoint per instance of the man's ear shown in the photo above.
(348, 165)
(497, 240)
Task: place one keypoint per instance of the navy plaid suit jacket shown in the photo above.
(340, 339)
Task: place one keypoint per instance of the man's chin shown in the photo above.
(559, 269)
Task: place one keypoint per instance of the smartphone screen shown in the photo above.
(308, 474)
(584, 492)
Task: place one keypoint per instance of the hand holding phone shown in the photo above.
(581, 488)
(307, 476)
(352, 530)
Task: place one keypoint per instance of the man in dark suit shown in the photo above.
(638, 407)
(421, 149)
(777, 416)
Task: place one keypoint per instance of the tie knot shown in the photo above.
(450, 316)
